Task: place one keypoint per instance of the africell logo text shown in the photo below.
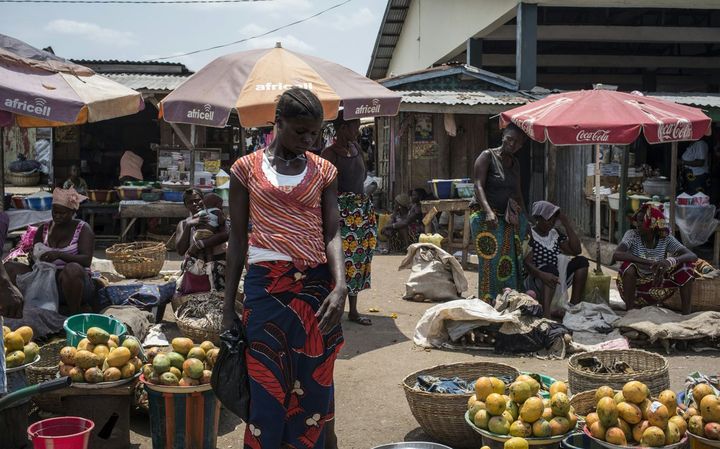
(206, 113)
(38, 107)
(373, 108)
(599, 135)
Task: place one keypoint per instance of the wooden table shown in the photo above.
(452, 206)
(130, 211)
(88, 211)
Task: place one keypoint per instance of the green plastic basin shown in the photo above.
(76, 326)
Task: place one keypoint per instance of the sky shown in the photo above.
(345, 35)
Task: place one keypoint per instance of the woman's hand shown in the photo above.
(491, 219)
(228, 320)
(549, 279)
(196, 221)
(331, 310)
(661, 266)
(51, 256)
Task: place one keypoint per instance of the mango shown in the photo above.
(712, 431)
(629, 412)
(151, 353)
(710, 408)
(137, 363)
(520, 429)
(547, 414)
(658, 415)
(6, 330)
(672, 434)
(97, 336)
(653, 437)
(679, 422)
(520, 391)
(483, 388)
(558, 387)
(560, 404)
(508, 416)
(534, 384)
(128, 370)
(471, 402)
(193, 368)
(212, 355)
(26, 333)
(205, 379)
(481, 419)
(14, 342)
(700, 391)
(516, 443)
(499, 425)
(619, 397)
(607, 412)
(15, 359)
(115, 339)
(495, 404)
(161, 363)
(93, 375)
(168, 379)
(176, 359)
(77, 374)
(625, 427)
(67, 355)
(591, 418)
(188, 382)
(64, 369)
(132, 345)
(498, 386)
(182, 345)
(635, 392)
(196, 353)
(532, 409)
(31, 350)
(176, 372)
(111, 374)
(102, 351)
(541, 428)
(603, 392)
(513, 410)
(638, 430)
(119, 357)
(477, 407)
(615, 435)
(559, 426)
(669, 400)
(696, 426)
(86, 359)
(207, 345)
(85, 345)
(598, 431)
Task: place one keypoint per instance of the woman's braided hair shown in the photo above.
(297, 102)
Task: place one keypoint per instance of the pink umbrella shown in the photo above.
(606, 117)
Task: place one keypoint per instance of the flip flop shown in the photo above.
(362, 320)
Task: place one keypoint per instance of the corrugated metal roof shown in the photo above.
(690, 99)
(144, 82)
(388, 35)
(469, 98)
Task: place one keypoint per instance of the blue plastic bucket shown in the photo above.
(443, 189)
(579, 441)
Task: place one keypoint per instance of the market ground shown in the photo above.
(370, 403)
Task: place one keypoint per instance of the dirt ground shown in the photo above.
(370, 403)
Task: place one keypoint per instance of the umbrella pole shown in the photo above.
(597, 207)
(673, 184)
(2, 171)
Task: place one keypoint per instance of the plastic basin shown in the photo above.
(76, 326)
(67, 432)
(176, 197)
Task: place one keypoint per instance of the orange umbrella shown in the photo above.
(251, 81)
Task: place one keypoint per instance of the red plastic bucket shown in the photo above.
(67, 432)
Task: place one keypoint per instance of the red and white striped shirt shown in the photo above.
(288, 222)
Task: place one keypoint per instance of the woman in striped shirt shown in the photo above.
(654, 263)
(295, 284)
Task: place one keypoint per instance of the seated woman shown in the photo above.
(71, 243)
(654, 263)
(406, 221)
(197, 275)
(554, 262)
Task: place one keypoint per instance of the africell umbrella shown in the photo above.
(251, 82)
(40, 89)
(590, 117)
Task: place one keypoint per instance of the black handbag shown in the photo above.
(229, 378)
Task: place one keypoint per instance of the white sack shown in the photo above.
(435, 274)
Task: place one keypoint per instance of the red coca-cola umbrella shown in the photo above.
(607, 117)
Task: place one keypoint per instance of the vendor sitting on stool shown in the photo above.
(75, 181)
(654, 263)
(554, 262)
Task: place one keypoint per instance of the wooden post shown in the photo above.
(597, 207)
(193, 136)
(551, 164)
(526, 46)
(673, 185)
(2, 172)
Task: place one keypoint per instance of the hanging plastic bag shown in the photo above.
(39, 287)
(696, 224)
(229, 378)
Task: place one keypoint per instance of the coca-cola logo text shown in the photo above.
(679, 130)
(598, 135)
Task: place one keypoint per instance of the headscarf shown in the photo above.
(68, 198)
(652, 216)
(544, 209)
(403, 200)
(131, 165)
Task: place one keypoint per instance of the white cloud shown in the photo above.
(288, 41)
(358, 19)
(251, 29)
(92, 32)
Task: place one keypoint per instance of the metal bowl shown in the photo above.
(413, 445)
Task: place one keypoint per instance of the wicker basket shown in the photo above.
(583, 402)
(198, 334)
(705, 297)
(442, 416)
(650, 369)
(46, 369)
(137, 260)
(23, 180)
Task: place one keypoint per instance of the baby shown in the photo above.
(215, 221)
